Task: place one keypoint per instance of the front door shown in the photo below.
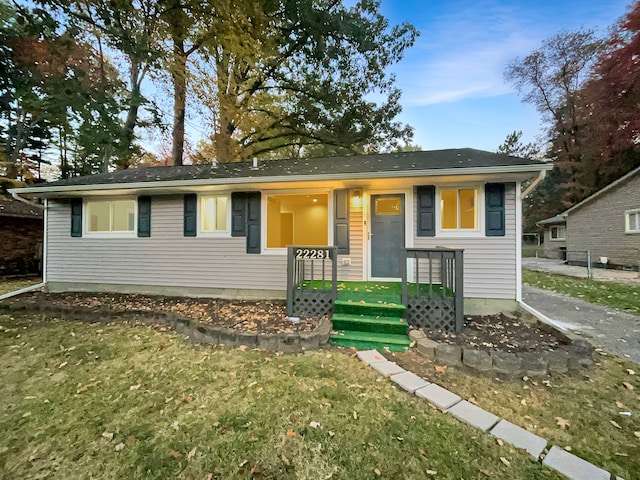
(387, 235)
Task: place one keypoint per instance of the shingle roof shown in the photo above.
(557, 219)
(13, 208)
(390, 162)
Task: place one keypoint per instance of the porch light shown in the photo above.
(357, 200)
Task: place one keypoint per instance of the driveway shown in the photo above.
(559, 267)
(604, 327)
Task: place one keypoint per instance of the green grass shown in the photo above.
(587, 402)
(7, 286)
(383, 291)
(63, 384)
(610, 294)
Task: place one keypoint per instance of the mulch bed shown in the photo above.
(262, 316)
(498, 333)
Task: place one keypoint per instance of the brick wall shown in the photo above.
(20, 245)
(599, 226)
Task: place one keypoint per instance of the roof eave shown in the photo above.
(285, 179)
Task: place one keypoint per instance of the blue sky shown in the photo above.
(454, 94)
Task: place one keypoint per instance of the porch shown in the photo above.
(377, 314)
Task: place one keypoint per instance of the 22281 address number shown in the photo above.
(311, 253)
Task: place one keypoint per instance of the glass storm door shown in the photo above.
(387, 235)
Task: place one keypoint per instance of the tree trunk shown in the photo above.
(179, 79)
(223, 136)
(128, 130)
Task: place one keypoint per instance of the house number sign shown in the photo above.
(311, 253)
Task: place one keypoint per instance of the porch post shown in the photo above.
(403, 270)
(290, 280)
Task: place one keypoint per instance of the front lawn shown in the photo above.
(120, 401)
(7, 286)
(609, 294)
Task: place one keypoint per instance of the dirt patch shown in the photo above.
(498, 333)
(263, 316)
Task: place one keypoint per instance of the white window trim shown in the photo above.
(114, 234)
(479, 231)
(627, 213)
(558, 239)
(219, 234)
(297, 191)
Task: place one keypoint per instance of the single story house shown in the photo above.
(606, 224)
(554, 244)
(21, 231)
(221, 229)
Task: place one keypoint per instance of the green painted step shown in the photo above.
(367, 341)
(369, 297)
(365, 323)
(369, 309)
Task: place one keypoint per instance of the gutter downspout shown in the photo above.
(24, 200)
(541, 175)
(22, 290)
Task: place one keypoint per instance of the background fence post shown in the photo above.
(589, 271)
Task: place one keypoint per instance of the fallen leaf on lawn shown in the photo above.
(82, 388)
(242, 348)
(615, 424)
(505, 461)
(637, 434)
(627, 385)
(285, 460)
(216, 424)
(561, 422)
(523, 401)
(486, 471)
(331, 434)
(355, 415)
(62, 365)
(441, 368)
(314, 425)
(620, 405)
(256, 469)
(134, 387)
(243, 463)
(202, 360)
(253, 439)
(119, 447)
(291, 433)
(422, 451)
(209, 476)
(175, 454)
(131, 440)
(107, 435)
(431, 472)
(377, 471)
(630, 372)
(191, 453)
(27, 414)
(472, 400)
(500, 442)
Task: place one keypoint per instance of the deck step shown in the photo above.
(368, 341)
(369, 308)
(366, 323)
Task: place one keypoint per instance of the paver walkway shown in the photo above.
(605, 327)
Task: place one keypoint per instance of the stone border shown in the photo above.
(572, 355)
(197, 332)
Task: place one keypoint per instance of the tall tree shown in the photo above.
(551, 78)
(306, 82)
(514, 147)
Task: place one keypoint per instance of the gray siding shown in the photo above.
(356, 246)
(489, 262)
(599, 225)
(551, 248)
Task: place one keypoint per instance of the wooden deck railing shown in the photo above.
(434, 297)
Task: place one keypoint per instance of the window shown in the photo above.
(459, 209)
(297, 219)
(214, 213)
(632, 221)
(559, 232)
(111, 216)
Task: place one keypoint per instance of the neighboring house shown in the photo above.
(221, 230)
(605, 224)
(21, 231)
(554, 244)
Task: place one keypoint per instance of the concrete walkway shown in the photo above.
(605, 327)
(602, 274)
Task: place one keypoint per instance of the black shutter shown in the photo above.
(190, 215)
(144, 216)
(495, 209)
(341, 221)
(76, 217)
(238, 214)
(426, 211)
(254, 208)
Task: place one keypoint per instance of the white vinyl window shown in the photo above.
(214, 214)
(632, 221)
(459, 209)
(559, 232)
(110, 216)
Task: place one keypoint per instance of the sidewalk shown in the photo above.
(604, 327)
(604, 274)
